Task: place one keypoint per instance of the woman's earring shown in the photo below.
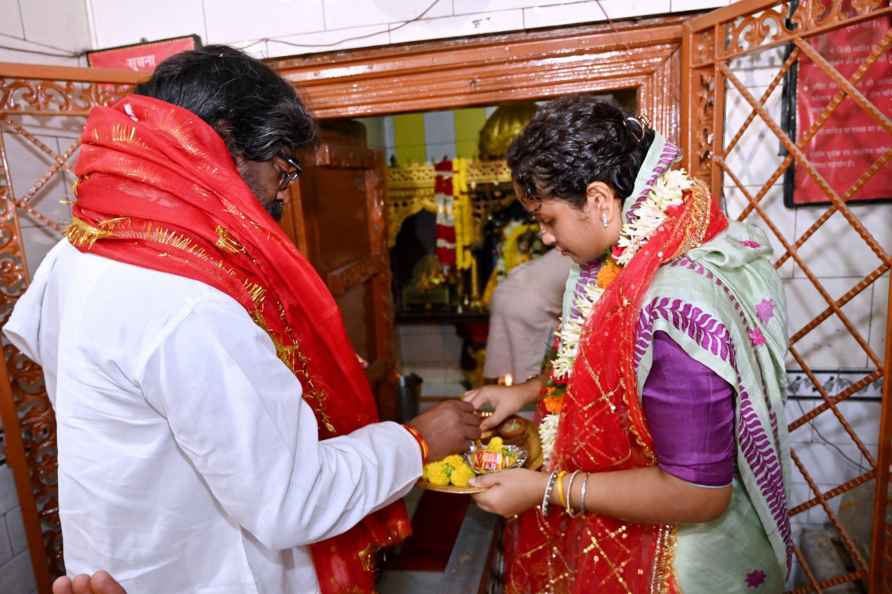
(605, 220)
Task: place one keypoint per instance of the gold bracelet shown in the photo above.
(560, 486)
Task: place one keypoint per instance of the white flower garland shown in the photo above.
(571, 329)
(667, 191)
(548, 435)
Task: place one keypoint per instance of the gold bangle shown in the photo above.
(560, 486)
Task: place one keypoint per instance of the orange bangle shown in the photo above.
(422, 442)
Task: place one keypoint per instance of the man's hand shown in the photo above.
(99, 583)
(448, 427)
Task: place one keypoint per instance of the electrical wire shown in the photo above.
(388, 29)
(857, 465)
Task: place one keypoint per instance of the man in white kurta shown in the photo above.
(182, 438)
(188, 461)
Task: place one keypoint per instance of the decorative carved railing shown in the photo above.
(31, 96)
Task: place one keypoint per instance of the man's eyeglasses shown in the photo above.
(290, 173)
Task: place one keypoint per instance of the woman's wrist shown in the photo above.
(574, 492)
(537, 494)
(531, 389)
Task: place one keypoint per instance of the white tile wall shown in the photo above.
(758, 69)
(31, 165)
(794, 409)
(319, 23)
(878, 316)
(8, 498)
(117, 22)
(799, 493)
(233, 20)
(685, 5)
(755, 155)
(837, 250)
(11, 23)
(341, 14)
(47, 26)
(16, 576)
(476, 6)
(28, 164)
(829, 346)
(57, 23)
(459, 26)
(583, 12)
(21, 51)
(830, 464)
(16, 528)
(6, 553)
(327, 41)
(861, 415)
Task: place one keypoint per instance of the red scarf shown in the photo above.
(602, 428)
(158, 188)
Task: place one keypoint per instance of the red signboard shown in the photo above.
(851, 140)
(142, 57)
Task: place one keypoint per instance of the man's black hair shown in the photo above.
(256, 112)
(574, 141)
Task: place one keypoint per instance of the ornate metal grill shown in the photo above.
(713, 47)
(36, 102)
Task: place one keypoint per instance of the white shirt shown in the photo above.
(188, 463)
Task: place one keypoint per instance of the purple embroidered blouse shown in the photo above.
(690, 412)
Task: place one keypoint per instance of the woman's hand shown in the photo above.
(510, 492)
(505, 400)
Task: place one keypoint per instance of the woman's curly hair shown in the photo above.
(574, 141)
